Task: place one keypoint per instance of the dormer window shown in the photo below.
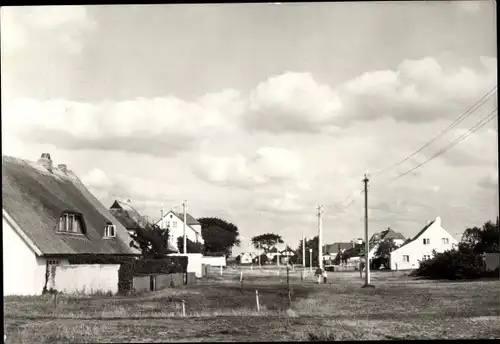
(71, 222)
(427, 241)
(109, 230)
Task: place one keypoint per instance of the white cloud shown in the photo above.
(268, 164)
(291, 102)
(23, 27)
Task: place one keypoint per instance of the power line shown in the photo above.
(457, 121)
(452, 144)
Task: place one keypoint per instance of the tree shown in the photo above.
(481, 240)
(219, 235)
(152, 241)
(383, 253)
(192, 247)
(266, 241)
(309, 244)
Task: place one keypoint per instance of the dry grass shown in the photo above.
(217, 309)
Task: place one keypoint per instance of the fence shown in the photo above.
(85, 278)
(162, 281)
(213, 261)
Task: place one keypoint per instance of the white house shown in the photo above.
(48, 216)
(431, 237)
(175, 222)
(247, 257)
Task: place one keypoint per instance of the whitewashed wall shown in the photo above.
(213, 261)
(416, 249)
(23, 271)
(86, 279)
(194, 262)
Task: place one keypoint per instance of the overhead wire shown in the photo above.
(457, 121)
(481, 123)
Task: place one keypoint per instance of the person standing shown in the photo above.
(325, 277)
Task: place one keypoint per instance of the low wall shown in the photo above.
(141, 283)
(214, 261)
(492, 261)
(194, 262)
(169, 281)
(86, 278)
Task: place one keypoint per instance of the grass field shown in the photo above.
(218, 309)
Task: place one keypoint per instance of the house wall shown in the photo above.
(245, 259)
(194, 262)
(178, 230)
(416, 249)
(86, 278)
(214, 261)
(23, 271)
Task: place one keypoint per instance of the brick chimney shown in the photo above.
(45, 161)
(62, 167)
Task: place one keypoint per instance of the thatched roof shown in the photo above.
(34, 198)
(130, 218)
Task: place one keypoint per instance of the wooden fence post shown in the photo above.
(257, 300)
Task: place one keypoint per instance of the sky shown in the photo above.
(258, 113)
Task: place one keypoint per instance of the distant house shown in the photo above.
(431, 237)
(286, 255)
(387, 234)
(246, 257)
(175, 223)
(331, 251)
(128, 216)
(49, 216)
(275, 251)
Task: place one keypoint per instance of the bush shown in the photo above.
(130, 267)
(453, 265)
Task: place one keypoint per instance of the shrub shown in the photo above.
(452, 265)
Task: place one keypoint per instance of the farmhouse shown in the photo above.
(431, 237)
(48, 217)
(246, 257)
(174, 221)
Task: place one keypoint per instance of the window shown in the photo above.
(406, 258)
(427, 241)
(70, 223)
(426, 256)
(109, 231)
(171, 216)
(174, 224)
(53, 262)
(446, 241)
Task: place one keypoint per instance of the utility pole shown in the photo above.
(320, 242)
(259, 255)
(184, 226)
(367, 244)
(161, 216)
(303, 250)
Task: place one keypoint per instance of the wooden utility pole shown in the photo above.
(320, 242)
(367, 244)
(303, 250)
(184, 226)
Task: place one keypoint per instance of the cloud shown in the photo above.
(61, 27)
(489, 182)
(159, 126)
(417, 91)
(291, 102)
(288, 203)
(267, 165)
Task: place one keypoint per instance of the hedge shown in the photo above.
(130, 267)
